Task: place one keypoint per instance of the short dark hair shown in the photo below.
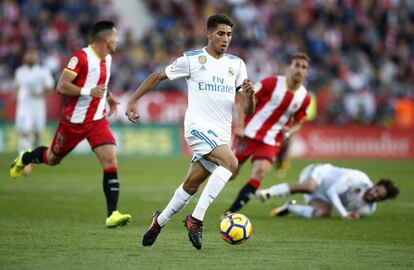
(215, 20)
(100, 27)
(392, 190)
(299, 55)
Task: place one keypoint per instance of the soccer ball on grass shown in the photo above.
(235, 228)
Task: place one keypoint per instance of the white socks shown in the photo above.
(279, 190)
(177, 202)
(305, 211)
(215, 184)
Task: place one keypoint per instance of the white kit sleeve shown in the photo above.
(333, 194)
(179, 69)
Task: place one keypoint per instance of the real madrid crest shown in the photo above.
(202, 59)
(231, 71)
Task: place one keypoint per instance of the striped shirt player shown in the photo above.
(281, 104)
(84, 83)
(90, 71)
(83, 116)
(277, 107)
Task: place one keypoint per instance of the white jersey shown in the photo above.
(31, 107)
(343, 188)
(32, 82)
(212, 85)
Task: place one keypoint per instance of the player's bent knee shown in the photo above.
(233, 166)
(109, 161)
(54, 161)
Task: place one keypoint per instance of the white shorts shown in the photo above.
(202, 140)
(316, 172)
(28, 120)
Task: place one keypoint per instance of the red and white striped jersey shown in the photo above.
(276, 107)
(90, 71)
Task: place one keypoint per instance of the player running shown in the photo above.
(214, 79)
(280, 109)
(350, 191)
(84, 83)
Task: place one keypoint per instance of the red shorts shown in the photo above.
(69, 135)
(245, 147)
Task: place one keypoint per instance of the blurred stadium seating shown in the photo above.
(362, 51)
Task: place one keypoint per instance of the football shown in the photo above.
(235, 228)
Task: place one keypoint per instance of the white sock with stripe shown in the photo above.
(179, 200)
(215, 184)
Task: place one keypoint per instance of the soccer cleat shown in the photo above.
(151, 234)
(262, 195)
(282, 210)
(195, 230)
(117, 219)
(16, 169)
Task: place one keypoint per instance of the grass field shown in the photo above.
(54, 220)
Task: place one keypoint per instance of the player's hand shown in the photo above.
(355, 214)
(131, 112)
(248, 88)
(98, 91)
(113, 105)
(286, 133)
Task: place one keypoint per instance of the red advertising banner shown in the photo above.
(352, 142)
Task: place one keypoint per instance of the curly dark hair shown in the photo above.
(392, 190)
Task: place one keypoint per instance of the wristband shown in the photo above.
(85, 91)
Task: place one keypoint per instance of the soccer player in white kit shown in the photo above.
(34, 82)
(350, 191)
(213, 78)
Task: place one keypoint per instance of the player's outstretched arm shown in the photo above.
(333, 194)
(149, 83)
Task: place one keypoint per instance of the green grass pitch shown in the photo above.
(54, 219)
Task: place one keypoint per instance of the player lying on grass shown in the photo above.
(350, 191)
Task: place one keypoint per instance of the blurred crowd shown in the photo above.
(362, 51)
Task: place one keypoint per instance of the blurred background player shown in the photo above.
(282, 162)
(84, 83)
(281, 103)
(350, 191)
(213, 78)
(34, 82)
